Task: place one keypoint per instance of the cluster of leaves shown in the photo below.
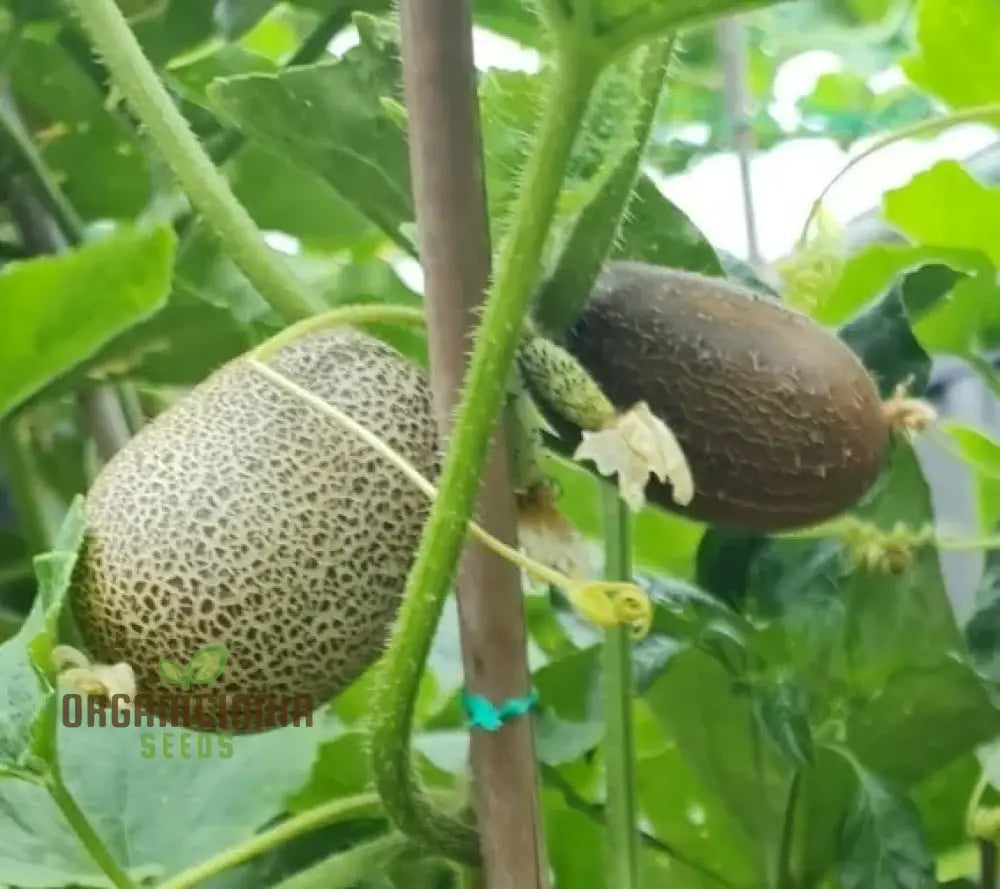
(800, 722)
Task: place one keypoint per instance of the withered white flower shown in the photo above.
(634, 445)
(76, 673)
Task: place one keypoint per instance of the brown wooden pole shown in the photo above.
(447, 172)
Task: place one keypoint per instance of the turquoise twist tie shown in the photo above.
(489, 717)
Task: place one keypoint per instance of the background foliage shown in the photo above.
(801, 722)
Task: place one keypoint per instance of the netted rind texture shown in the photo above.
(243, 516)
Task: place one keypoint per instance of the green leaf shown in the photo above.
(61, 310)
(981, 455)
(882, 845)
(947, 207)
(236, 17)
(207, 664)
(892, 621)
(657, 231)
(329, 117)
(54, 571)
(26, 659)
(177, 26)
(693, 821)
(191, 76)
(341, 768)
(20, 695)
(180, 345)
(783, 711)
(569, 722)
(162, 799)
(282, 195)
(883, 338)
(691, 699)
(91, 152)
(956, 57)
(873, 269)
(923, 719)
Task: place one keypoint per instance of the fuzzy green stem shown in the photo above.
(77, 820)
(485, 386)
(622, 850)
(205, 186)
(922, 128)
(594, 233)
(347, 808)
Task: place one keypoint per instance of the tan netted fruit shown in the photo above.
(244, 517)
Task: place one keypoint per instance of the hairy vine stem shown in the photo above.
(485, 386)
(205, 186)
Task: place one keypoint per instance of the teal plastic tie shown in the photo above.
(483, 714)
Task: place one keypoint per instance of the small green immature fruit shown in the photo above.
(781, 424)
(246, 525)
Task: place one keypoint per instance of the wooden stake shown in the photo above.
(449, 193)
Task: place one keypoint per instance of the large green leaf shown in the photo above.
(691, 699)
(883, 338)
(60, 310)
(162, 799)
(657, 231)
(235, 17)
(882, 845)
(943, 709)
(947, 207)
(91, 151)
(873, 270)
(891, 621)
(981, 455)
(26, 659)
(330, 118)
(693, 821)
(284, 196)
(956, 57)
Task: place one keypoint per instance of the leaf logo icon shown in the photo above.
(172, 672)
(207, 664)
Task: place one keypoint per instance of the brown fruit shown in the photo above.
(244, 517)
(781, 424)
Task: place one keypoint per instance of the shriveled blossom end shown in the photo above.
(635, 445)
(908, 415)
(546, 535)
